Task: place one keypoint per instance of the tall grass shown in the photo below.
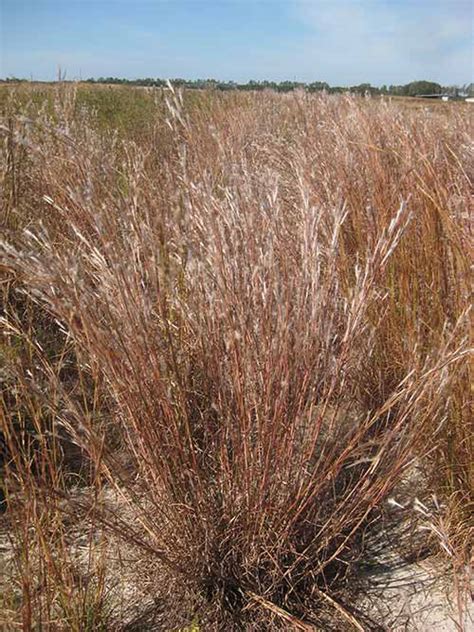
(266, 297)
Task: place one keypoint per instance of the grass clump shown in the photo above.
(273, 306)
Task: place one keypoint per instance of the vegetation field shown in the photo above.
(235, 361)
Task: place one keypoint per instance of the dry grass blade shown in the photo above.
(296, 623)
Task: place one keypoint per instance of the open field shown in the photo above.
(235, 362)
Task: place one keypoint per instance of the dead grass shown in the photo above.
(251, 318)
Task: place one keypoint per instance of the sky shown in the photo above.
(343, 42)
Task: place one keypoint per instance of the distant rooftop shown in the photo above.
(434, 96)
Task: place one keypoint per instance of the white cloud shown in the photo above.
(389, 42)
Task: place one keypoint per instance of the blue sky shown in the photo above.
(339, 41)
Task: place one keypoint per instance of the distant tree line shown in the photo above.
(410, 89)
